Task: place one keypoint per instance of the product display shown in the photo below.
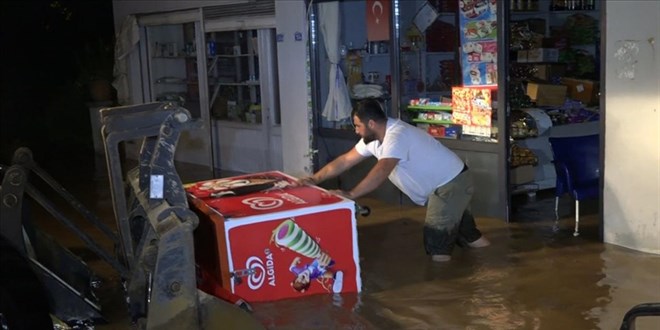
(478, 37)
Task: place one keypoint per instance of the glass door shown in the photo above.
(241, 70)
(233, 76)
(174, 75)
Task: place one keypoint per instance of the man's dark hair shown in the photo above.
(370, 109)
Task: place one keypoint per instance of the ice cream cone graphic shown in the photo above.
(289, 235)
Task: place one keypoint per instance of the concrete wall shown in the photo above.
(631, 196)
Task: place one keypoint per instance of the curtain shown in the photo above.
(338, 104)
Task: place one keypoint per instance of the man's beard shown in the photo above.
(369, 137)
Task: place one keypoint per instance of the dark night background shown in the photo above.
(51, 51)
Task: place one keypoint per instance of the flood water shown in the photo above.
(529, 278)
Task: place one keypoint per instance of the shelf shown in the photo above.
(438, 122)
(213, 60)
(430, 107)
(527, 12)
(246, 83)
(580, 11)
(176, 83)
(234, 56)
(380, 57)
(445, 137)
(440, 53)
(175, 57)
(416, 52)
(551, 12)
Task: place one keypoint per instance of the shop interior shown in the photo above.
(439, 54)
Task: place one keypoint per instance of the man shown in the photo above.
(421, 167)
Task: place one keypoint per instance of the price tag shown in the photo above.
(156, 186)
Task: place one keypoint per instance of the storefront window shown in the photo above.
(445, 48)
(360, 54)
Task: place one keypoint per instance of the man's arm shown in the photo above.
(374, 178)
(335, 167)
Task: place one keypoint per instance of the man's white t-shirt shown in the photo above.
(424, 163)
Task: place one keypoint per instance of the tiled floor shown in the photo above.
(531, 277)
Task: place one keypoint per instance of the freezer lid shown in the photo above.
(259, 194)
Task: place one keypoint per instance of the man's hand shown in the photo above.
(343, 193)
(307, 181)
(334, 168)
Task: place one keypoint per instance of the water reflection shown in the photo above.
(633, 278)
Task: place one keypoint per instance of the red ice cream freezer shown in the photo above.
(262, 237)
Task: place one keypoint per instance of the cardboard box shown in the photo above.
(548, 71)
(521, 174)
(546, 94)
(543, 55)
(258, 232)
(583, 90)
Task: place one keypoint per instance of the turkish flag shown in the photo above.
(378, 20)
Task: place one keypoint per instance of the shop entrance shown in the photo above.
(553, 92)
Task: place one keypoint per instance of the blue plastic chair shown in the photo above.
(577, 164)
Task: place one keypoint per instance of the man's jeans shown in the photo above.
(448, 217)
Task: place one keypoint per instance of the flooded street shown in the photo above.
(529, 278)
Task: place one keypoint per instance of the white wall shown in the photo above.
(631, 196)
(294, 99)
